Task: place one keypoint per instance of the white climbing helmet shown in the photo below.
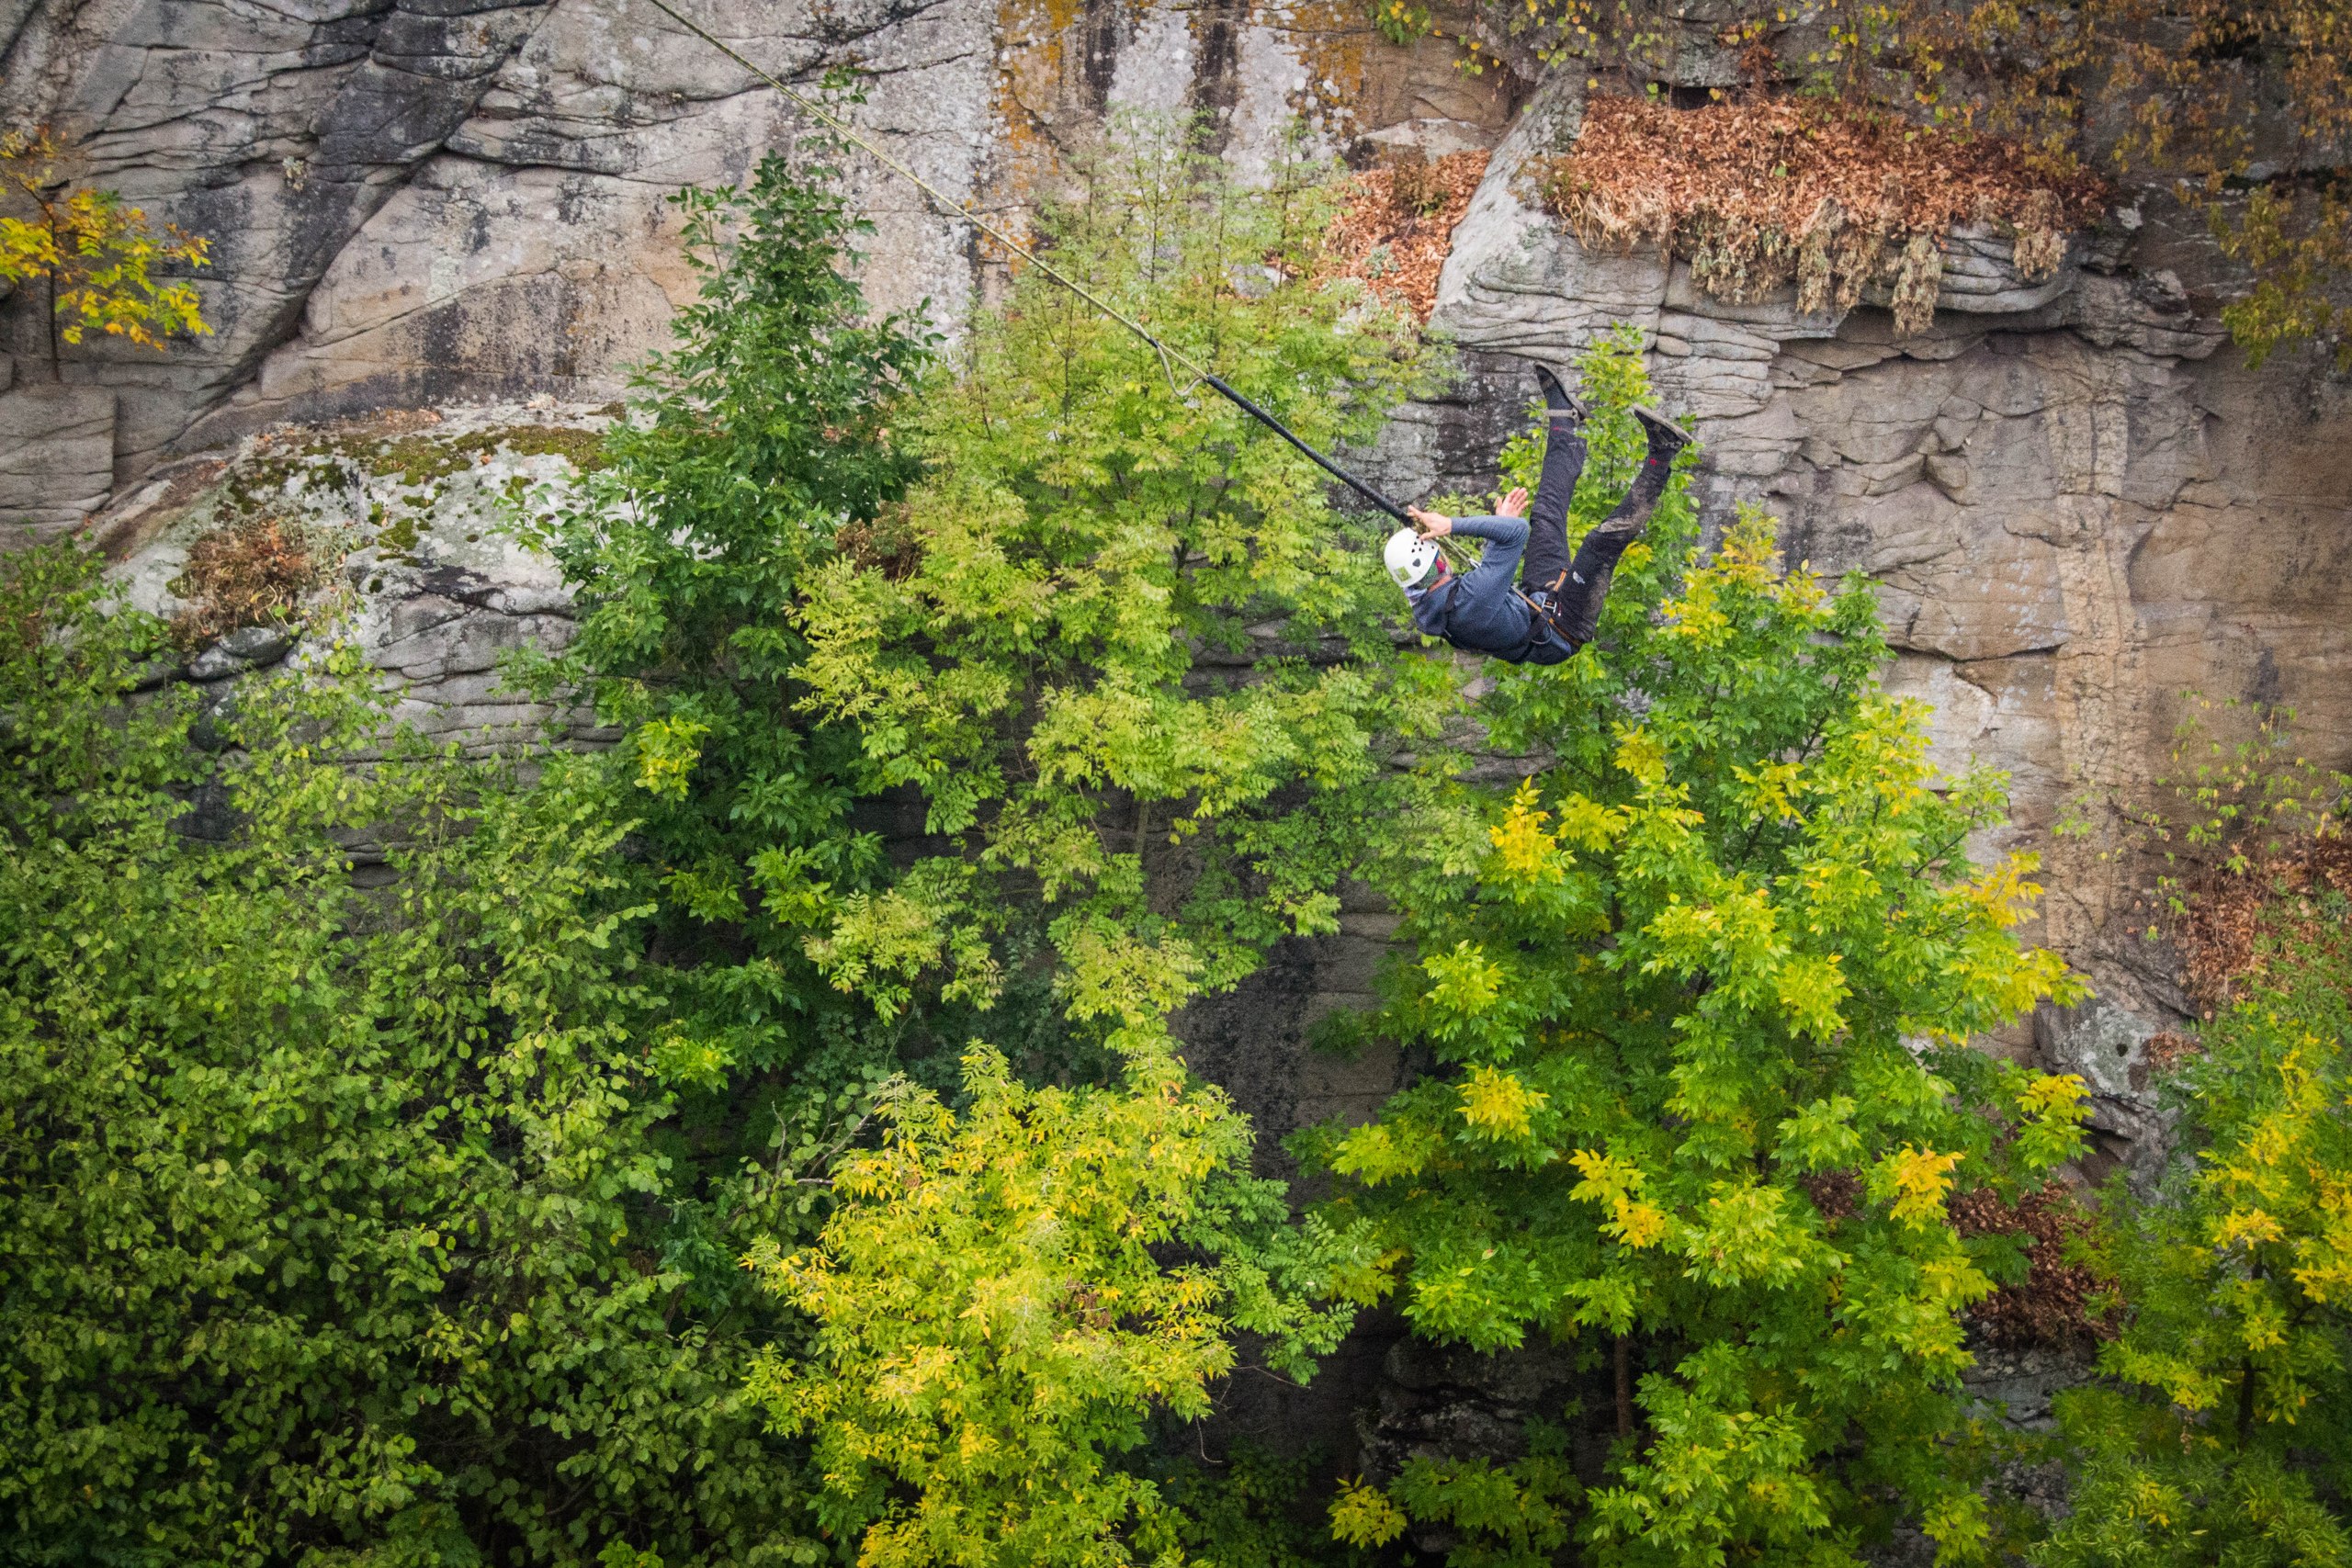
(1409, 556)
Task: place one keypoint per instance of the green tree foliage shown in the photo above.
(995, 1323)
(1700, 988)
(1012, 599)
(407, 1226)
(758, 436)
(2223, 1435)
(1044, 647)
(323, 1214)
(94, 254)
(1114, 639)
(1039, 646)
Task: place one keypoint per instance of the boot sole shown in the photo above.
(1654, 420)
(1576, 407)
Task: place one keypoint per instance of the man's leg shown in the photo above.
(1596, 560)
(1546, 564)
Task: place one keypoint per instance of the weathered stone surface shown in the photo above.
(2108, 1047)
(56, 459)
(247, 647)
(430, 581)
(448, 200)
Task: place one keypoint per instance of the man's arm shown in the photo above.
(1497, 565)
(1505, 531)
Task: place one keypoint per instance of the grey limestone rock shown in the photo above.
(247, 647)
(56, 458)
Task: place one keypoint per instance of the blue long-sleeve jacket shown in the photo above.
(1480, 610)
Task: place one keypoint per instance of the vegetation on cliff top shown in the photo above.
(2238, 110)
(1833, 197)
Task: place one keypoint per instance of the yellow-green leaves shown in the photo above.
(2219, 1434)
(1462, 982)
(1912, 1183)
(1385, 1151)
(1616, 1184)
(1111, 623)
(97, 256)
(1496, 1105)
(880, 943)
(2051, 1108)
(993, 1324)
(1526, 852)
(667, 751)
(1362, 1515)
(1821, 1135)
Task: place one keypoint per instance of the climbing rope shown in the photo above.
(1169, 356)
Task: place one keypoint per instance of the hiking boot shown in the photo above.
(1557, 399)
(1666, 439)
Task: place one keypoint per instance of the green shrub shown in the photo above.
(322, 1214)
(2225, 1433)
(1700, 988)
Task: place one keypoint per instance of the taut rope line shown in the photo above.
(949, 206)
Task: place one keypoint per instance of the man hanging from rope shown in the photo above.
(1555, 606)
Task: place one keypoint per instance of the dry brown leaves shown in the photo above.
(887, 544)
(1836, 197)
(247, 574)
(2052, 1307)
(1397, 227)
(2221, 938)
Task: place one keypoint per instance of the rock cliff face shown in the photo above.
(415, 201)
(2076, 498)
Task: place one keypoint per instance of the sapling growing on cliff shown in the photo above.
(93, 255)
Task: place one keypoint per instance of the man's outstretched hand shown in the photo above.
(1432, 524)
(1512, 505)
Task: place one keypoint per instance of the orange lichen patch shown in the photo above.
(1398, 226)
(1835, 196)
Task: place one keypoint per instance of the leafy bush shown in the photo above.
(2223, 1437)
(324, 1224)
(1700, 988)
(993, 1311)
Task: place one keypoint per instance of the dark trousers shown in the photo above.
(1545, 563)
(1571, 591)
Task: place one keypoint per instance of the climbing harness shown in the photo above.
(1169, 356)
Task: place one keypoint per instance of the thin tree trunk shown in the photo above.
(1624, 1385)
(56, 370)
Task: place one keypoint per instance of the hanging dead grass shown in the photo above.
(1397, 227)
(1834, 196)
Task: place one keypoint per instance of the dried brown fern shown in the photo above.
(254, 573)
(1831, 196)
(1397, 227)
